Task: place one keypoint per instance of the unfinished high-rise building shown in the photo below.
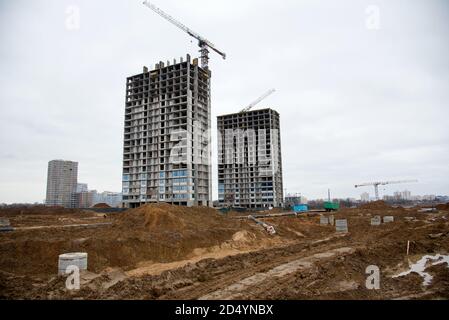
(249, 160)
(167, 136)
(62, 181)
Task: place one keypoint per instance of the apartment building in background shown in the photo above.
(249, 160)
(291, 200)
(62, 181)
(166, 156)
(89, 198)
(86, 198)
(112, 199)
(82, 187)
(364, 197)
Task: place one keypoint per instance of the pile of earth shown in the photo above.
(182, 229)
(376, 205)
(443, 206)
(38, 210)
(167, 218)
(102, 206)
(160, 233)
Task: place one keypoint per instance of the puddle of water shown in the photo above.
(421, 266)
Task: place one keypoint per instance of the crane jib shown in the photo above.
(202, 41)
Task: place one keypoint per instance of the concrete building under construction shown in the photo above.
(167, 136)
(249, 160)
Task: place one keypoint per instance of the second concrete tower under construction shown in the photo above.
(167, 136)
(249, 160)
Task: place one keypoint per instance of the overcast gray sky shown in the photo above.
(357, 103)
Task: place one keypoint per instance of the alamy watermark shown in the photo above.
(372, 21)
(373, 280)
(235, 147)
(73, 18)
(73, 280)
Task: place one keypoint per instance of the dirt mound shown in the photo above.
(101, 206)
(443, 206)
(160, 232)
(37, 210)
(169, 252)
(165, 217)
(376, 205)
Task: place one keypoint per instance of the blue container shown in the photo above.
(300, 208)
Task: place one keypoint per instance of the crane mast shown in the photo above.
(377, 184)
(203, 43)
(260, 99)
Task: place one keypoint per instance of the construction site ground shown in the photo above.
(168, 252)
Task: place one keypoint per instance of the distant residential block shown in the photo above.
(62, 181)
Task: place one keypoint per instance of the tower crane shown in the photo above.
(263, 97)
(203, 43)
(377, 184)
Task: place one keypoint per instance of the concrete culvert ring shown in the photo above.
(78, 259)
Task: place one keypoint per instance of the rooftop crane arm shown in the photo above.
(263, 97)
(202, 42)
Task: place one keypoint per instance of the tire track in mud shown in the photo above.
(244, 286)
(256, 262)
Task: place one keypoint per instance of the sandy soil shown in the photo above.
(165, 252)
